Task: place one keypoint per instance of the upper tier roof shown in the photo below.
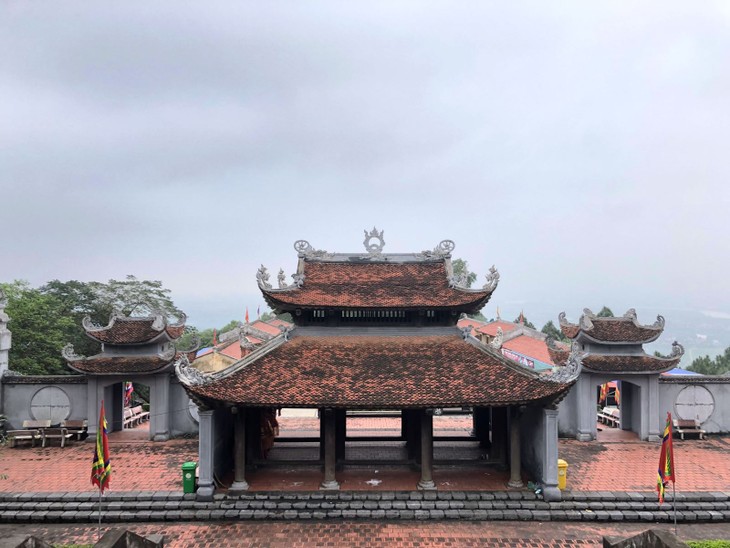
(390, 368)
(375, 280)
(620, 363)
(125, 330)
(611, 330)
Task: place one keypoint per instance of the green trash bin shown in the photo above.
(188, 472)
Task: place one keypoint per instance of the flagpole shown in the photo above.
(674, 503)
(98, 529)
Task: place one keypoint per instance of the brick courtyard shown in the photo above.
(616, 462)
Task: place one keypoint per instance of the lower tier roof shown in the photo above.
(374, 368)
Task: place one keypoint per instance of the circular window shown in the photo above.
(193, 410)
(50, 403)
(694, 403)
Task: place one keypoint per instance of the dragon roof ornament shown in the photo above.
(572, 368)
(496, 342)
(159, 323)
(442, 250)
(588, 317)
(492, 279)
(305, 250)
(465, 332)
(188, 374)
(69, 354)
(262, 277)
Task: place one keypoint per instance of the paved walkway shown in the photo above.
(614, 464)
(367, 534)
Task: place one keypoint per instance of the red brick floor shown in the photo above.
(138, 464)
(366, 534)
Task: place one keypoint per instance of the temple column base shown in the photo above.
(238, 488)
(552, 494)
(515, 484)
(161, 437)
(331, 485)
(426, 485)
(205, 493)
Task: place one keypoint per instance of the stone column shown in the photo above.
(550, 491)
(160, 408)
(586, 407)
(341, 437)
(329, 483)
(653, 421)
(5, 336)
(515, 479)
(206, 440)
(426, 482)
(239, 484)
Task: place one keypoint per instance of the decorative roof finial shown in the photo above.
(496, 342)
(492, 279)
(262, 277)
(281, 279)
(373, 248)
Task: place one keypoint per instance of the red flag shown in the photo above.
(246, 314)
(666, 460)
(215, 338)
(101, 469)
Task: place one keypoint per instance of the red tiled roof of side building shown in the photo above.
(491, 327)
(267, 327)
(628, 363)
(380, 371)
(530, 347)
(376, 285)
(119, 365)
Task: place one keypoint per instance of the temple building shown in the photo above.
(613, 351)
(377, 331)
(137, 349)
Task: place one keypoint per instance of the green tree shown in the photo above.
(40, 330)
(705, 365)
(77, 300)
(133, 297)
(461, 270)
(551, 331)
(605, 313)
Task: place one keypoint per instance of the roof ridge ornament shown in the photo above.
(188, 374)
(262, 277)
(492, 279)
(630, 314)
(677, 350)
(572, 368)
(465, 332)
(374, 249)
(441, 251)
(304, 249)
(281, 279)
(659, 323)
(496, 342)
(69, 353)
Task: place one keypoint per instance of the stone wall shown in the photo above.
(29, 398)
(714, 418)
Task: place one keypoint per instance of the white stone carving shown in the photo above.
(188, 374)
(374, 248)
(262, 277)
(492, 279)
(496, 342)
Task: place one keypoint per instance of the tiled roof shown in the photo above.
(622, 330)
(416, 369)
(558, 352)
(115, 365)
(530, 347)
(612, 330)
(123, 330)
(491, 327)
(617, 363)
(376, 285)
(267, 327)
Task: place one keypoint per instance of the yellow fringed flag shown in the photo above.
(666, 460)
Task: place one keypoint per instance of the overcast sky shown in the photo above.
(582, 147)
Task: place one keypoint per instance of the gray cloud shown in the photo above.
(579, 147)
